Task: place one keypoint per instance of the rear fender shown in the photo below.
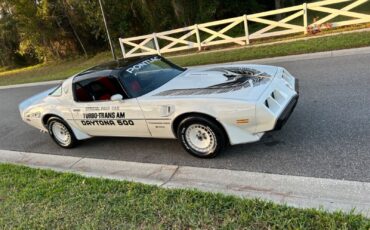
(79, 134)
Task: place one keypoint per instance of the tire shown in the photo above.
(201, 137)
(61, 133)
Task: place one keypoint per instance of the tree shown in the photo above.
(55, 29)
(9, 37)
(69, 15)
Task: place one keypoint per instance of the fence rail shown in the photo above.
(215, 33)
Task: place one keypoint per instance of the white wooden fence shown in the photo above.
(215, 33)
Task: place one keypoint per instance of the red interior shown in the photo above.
(135, 86)
(82, 94)
(104, 88)
(109, 86)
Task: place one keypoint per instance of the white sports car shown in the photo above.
(206, 108)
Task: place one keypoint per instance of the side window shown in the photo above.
(97, 89)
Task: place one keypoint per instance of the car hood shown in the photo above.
(246, 82)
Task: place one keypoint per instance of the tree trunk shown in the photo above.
(73, 28)
(278, 4)
(2, 62)
(179, 14)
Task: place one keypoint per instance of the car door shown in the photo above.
(97, 115)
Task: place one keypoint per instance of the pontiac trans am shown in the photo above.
(206, 108)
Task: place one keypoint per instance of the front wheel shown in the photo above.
(201, 137)
(61, 133)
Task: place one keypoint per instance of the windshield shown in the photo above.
(148, 75)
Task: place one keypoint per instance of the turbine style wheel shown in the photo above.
(201, 137)
(61, 133)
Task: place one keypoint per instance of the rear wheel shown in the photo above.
(201, 137)
(61, 133)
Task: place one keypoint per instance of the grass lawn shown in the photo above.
(62, 70)
(51, 71)
(336, 42)
(39, 199)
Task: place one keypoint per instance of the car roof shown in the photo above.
(107, 67)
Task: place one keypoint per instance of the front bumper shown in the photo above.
(284, 116)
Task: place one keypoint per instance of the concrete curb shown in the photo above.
(303, 192)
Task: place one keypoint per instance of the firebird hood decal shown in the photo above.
(236, 78)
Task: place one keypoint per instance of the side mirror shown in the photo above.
(116, 97)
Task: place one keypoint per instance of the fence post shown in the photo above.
(305, 23)
(122, 47)
(198, 37)
(156, 44)
(246, 29)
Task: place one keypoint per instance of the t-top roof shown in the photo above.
(111, 66)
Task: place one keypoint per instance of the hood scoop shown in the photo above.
(227, 79)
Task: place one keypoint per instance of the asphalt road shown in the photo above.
(327, 136)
